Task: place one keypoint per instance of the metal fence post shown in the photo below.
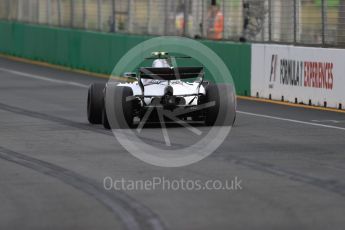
(340, 38)
(269, 20)
(224, 16)
(30, 11)
(72, 13)
(186, 17)
(19, 10)
(59, 13)
(113, 16)
(99, 15)
(204, 18)
(149, 23)
(8, 9)
(130, 16)
(294, 21)
(166, 23)
(85, 22)
(324, 20)
(38, 11)
(49, 18)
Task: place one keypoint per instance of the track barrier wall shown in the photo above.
(311, 76)
(99, 52)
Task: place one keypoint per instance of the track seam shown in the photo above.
(328, 185)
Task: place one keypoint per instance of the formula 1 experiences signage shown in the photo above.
(302, 74)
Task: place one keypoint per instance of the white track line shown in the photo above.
(291, 120)
(18, 73)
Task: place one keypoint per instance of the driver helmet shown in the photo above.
(157, 63)
(160, 63)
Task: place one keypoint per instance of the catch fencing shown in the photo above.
(304, 22)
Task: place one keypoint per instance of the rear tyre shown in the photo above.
(123, 107)
(223, 109)
(95, 103)
(105, 121)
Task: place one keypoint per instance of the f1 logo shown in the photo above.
(273, 67)
(273, 74)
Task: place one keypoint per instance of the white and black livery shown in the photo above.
(161, 93)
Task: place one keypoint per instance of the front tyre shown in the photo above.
(95, 103)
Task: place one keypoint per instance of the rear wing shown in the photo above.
(172, 73)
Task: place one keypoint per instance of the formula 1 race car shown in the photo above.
(159, 94)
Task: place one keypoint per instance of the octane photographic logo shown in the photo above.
(182, 144)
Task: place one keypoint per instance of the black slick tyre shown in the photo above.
(95, 103)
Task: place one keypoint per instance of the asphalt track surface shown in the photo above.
(291, 162)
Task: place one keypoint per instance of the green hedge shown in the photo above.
(99, 52)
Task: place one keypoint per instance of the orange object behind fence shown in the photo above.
(218, 26)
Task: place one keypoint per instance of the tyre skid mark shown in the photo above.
(133, 215)
(329, 185)
(66, 122)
